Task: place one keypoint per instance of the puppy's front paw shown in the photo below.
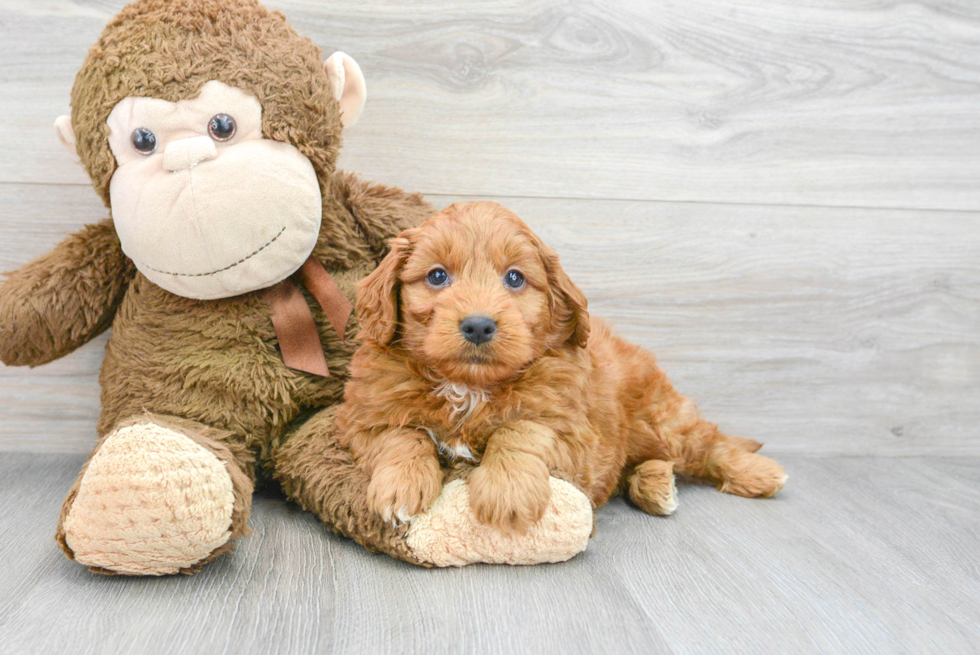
(400, 491)
(510, 495)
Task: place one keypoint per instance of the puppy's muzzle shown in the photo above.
(478, 329)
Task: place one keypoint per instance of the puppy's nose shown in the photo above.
(478, 329)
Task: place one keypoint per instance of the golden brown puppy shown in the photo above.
(478, 346)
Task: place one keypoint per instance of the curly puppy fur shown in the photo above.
(552, 390)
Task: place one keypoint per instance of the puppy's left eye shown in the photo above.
(437, 277)
(514, 279)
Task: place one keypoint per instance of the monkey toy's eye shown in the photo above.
(221, 127)
(144, 141)
(437, 277)
(514, 279)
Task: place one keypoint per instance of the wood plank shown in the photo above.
(856, 555)
(53, 407)
(32, 488)
(825, 331)
(843, 102)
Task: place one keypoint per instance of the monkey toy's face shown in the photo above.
(204, 202)
(203, 205)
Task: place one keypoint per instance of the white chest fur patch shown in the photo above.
(463, 400)
(451, 451)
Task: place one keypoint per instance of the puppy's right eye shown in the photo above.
(437, 277)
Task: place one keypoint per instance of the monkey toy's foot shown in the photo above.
(155, 498)
(450, 535)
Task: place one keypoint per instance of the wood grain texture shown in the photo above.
(822, 331)
(841, 102)
(858, 555)
(816, 330)
(53, 407)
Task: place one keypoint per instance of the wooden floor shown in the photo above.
(781, 198)
(860, 555)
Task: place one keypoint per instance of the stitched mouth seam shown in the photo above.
(221, 270)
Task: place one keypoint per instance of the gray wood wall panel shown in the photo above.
(846, 103)
(819, 329)
(816, 330)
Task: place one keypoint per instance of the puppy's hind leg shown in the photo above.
(699, 449)
(738, 471)
(651, 487)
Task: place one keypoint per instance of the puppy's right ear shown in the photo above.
(377, 294)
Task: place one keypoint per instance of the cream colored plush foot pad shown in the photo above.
(152, 502)
(449, 534)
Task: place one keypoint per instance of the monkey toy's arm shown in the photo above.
(382, 212)
(59, 301)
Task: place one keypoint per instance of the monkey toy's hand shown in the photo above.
(61, 300)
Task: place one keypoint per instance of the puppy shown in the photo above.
(477, 346)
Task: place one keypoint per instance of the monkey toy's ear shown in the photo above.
(348, 86)
(66, 133)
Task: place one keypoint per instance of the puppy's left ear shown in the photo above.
(377, 294)
(569, 307)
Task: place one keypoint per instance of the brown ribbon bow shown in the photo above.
(292, 319)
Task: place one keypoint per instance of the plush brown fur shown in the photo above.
(553, 390)
(213, 367)
(320, 475)
(184, 43)
(54, 304)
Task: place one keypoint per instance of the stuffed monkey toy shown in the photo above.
(210, 129)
